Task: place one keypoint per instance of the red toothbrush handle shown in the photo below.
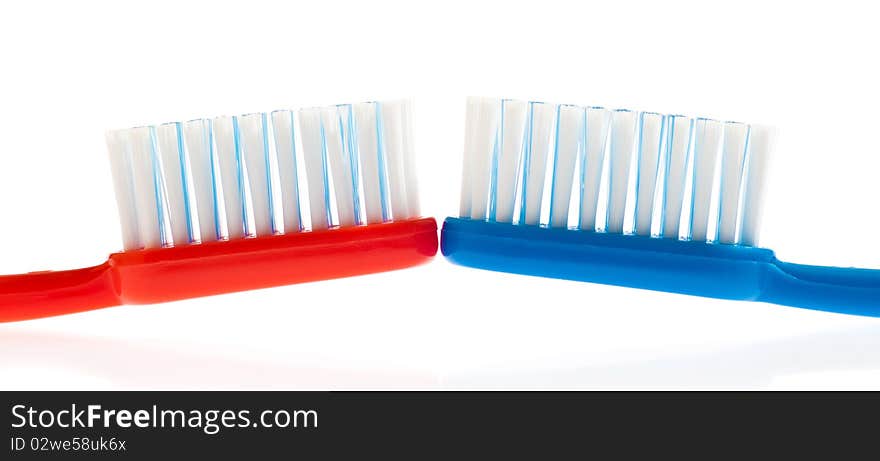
(53, 293)
(167, 274)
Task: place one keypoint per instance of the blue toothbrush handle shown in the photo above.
(693, 268)
(834, 289)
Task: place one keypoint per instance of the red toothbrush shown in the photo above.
(235, 203)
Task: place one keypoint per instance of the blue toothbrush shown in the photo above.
(637, 199)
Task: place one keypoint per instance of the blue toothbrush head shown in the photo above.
(631, 198)
(616, 171)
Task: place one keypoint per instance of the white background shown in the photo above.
(70, 70)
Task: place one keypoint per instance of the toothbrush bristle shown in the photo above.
(259, 174)
(616, 171)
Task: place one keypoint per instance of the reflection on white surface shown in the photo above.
(52, 361)
(846, 358)
(840, 359)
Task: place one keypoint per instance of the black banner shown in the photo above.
(414, 425)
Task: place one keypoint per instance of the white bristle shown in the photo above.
(623, 135)
(760, 145)
(706, 146)
(285, 151)
(392, 137)
(208, 179)
(409, 165)
(254, 144)
(539, 131)
(123, 183)
(231, 175)
(732, 157)
(174, 171)
(513, 120)
(146, 188)
(198, 141)
(338, 156)
(598, 128)
(312, 134)
(650, 143)
(676, 165)
(678, 131)
(569, 137)
(470, 123)
(488, 117)
(368, 151)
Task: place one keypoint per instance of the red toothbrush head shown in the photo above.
(235, 203)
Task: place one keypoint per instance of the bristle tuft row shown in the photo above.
(616, 171)
(261, 174)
